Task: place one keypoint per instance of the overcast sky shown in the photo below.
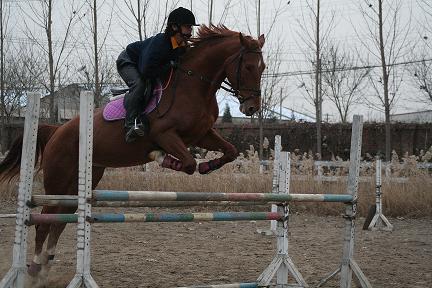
(287, 29)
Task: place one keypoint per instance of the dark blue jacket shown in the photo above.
(152, 56)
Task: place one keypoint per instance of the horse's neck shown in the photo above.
(212, 60)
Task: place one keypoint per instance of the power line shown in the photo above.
(298, 73)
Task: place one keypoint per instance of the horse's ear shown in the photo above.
(242, 40)
(261, 40)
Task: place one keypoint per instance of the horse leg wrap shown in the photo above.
(34, 269)
(171, 163)
(207, 167)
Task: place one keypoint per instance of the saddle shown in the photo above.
(115, 110)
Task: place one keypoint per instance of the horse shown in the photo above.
(185, 117)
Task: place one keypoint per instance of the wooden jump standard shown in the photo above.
(281, 265)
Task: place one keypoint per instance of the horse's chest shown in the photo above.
(198, 125)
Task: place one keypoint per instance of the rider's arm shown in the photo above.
(152, 60)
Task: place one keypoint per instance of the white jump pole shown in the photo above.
(379, 221)
(275, 184)
(83, 277)
(349, 265)
(282, 265)
(15, 276)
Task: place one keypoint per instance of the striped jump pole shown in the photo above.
(200, 197)
(234, 285)
(112, 195)
(72, 201)
(155, 217)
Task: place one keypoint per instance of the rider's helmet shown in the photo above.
(182, 16)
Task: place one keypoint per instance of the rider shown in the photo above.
(142, 62)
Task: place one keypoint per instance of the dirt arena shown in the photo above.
(179, 254)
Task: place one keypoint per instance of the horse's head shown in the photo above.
(244, 70)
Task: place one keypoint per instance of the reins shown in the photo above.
(234, 91)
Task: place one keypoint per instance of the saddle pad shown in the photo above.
(115, 110)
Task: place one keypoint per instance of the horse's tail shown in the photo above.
(10, 166)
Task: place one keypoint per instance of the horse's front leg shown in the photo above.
(172, 144)
(214, 142)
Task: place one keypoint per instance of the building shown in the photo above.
(413, 117)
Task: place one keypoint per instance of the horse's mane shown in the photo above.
(206, 33)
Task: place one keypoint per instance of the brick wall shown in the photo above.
(409, 138)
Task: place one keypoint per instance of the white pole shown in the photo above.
(15, 276)
(83, 276)
(379, 221)
(276, 177)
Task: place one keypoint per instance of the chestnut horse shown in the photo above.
(185, 117)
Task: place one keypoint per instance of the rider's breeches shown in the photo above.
(137, 97)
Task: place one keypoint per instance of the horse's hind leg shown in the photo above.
(214, 142)
(42, 262)
(40, 258)
(42, 231)
(171, 143)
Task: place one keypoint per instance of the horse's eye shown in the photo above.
(249, 68)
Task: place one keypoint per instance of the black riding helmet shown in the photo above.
(182, 16)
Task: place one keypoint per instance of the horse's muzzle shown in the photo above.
(248, 110)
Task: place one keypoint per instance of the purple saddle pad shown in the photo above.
(115, 110)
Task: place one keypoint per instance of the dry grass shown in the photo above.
(410, 199)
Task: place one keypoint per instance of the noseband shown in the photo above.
(236, 91)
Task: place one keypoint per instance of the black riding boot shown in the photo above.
(136, 123)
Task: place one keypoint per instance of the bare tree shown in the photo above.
(272, 80)
(23, 71)
(268, 83)
(4, 16)
(315, 35)
(387, 43)
(422, 77)
(40, 14)
(148, 17)
(91, 63)
(343, 79)
(426, 22)
(421, 70)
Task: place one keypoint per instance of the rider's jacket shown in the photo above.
(153, 54)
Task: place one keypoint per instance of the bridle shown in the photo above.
(235, 91)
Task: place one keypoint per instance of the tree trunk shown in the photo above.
(261, 133)
(2, 95)
(98, 99)
(318, 100)
(139, 20)
(52, 104)
(385, 77)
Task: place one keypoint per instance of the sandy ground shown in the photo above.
(179, 254)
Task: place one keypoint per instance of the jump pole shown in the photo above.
(201, 197)
(83, 277)
(276, 178)
(16, 275)
(349, 265)
(379, 221)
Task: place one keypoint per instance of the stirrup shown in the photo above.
(139, 128)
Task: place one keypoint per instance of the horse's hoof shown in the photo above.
(204, 168)
(171, 163)
(34, 269)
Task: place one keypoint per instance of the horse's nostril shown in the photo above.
(251, 110)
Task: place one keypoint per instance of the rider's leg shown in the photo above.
(134, 103)
(139, 94)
